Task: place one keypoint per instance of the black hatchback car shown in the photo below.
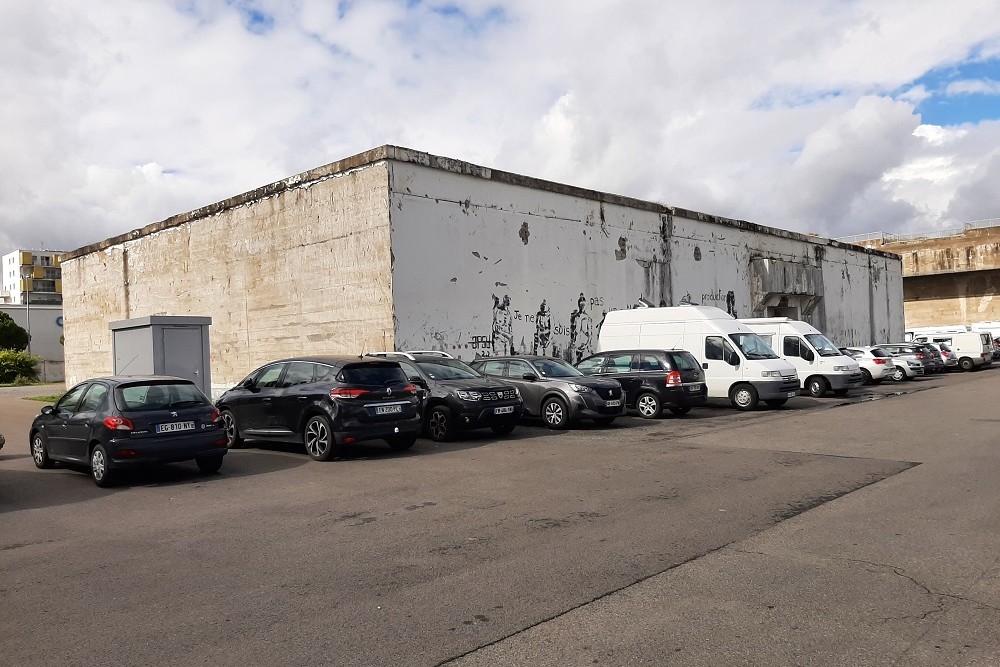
(652, 379)
(458, 397)
(112, 423)
(323, 402)
(555, 391)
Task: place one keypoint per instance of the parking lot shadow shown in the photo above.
(30, 489)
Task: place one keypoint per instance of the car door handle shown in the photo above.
(303, 398)
(266, 400)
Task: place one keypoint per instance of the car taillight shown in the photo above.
(410, 389)
(214, 417)
(919, 355)
(118, 424)
(878, 361)
(673, 378)
(347, 392)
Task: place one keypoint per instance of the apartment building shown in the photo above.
(32, 275)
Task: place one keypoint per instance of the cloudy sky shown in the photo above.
(829, 116)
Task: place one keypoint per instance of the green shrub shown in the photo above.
(18, 366)
(12, 336)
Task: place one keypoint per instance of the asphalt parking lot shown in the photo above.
(862, 531)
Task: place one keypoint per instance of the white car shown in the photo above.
(876, 364)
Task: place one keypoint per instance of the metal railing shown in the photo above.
(885, 237)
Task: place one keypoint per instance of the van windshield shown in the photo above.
(753, 346)
(823, 345)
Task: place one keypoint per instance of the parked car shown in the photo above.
(112, 423)
(948, 356)
(909, 359)
(323, 402)
(933, 362)
(652, 379)
(556, 391)
(974, 349)
(457, 397)
(876, 364)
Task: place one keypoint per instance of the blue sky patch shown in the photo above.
(955, 108)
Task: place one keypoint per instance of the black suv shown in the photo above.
(323, 402)
(456, 397)
(652, 379)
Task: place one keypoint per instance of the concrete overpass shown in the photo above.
(949, 277)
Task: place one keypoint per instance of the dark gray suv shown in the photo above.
(555, 391)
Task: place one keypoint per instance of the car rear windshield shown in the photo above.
(448, 369)
(684, 361)
(373, 374)
(879, 352)
(159, 396)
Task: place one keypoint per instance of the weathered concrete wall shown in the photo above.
(973, 250)
(953, 298)
(485, 266)
(299, 269)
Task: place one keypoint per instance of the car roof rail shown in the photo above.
(430, 353)
(391, 354)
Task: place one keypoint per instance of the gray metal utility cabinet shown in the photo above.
(163, 345)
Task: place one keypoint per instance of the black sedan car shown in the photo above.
(652, 379)
(456, 397)
(323, 402)
(112, 423)
(555, 391)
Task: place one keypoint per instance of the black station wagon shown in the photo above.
(652, 379)
(323, 402)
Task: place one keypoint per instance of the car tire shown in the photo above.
(679, 410)
(555, 413)
(898, 375)
(440, 427)
(965, 363)
(648, 405)
(233, 439)
(775, 402)
(100, 469)
(209, 464)
(503, 429)
(866, 376)
(402, 442)
(40, 452)
(317, 436)
(604, 421)
(816, 386)
(743, 397)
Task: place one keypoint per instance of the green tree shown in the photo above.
(12, 336)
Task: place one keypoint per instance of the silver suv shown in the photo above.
(556, 391)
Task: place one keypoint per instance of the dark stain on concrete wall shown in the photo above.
(622, 251)
(524, 233)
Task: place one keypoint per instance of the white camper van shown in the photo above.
(821, 366)
(973, 348)
(738, 364)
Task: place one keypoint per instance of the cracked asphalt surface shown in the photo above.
(859, 532)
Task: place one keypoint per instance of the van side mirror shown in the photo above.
(733, 360)
(530, 377)
(417, 380)
(807, 354)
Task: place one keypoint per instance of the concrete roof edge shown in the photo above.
(403, 154)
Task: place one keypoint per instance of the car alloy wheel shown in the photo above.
(318, 438)
(554, 413)
(39, 452)
(233, 439)
(439, 423)
(899, 374)
(648, 406)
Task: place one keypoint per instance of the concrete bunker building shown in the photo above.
(399, 249)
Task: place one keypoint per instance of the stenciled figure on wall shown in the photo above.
(731, 303)
(580, 331)
(543, 329)
(503, 326)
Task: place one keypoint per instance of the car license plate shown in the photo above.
(504, 410)
(174, 426)
(792, 394)
(694, 387)
(613, 404)
(388, 409)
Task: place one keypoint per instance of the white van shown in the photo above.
(738, 364)
(973, 348)
(821, 366)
